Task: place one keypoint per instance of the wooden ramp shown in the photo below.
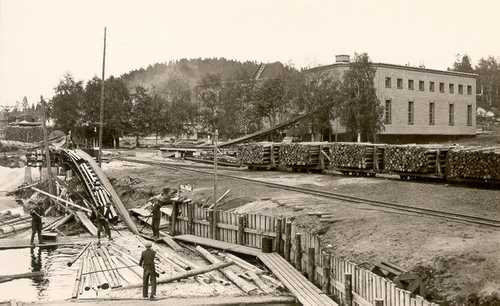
(226, 246)
(305, 291)
(86, 223)
(120, 208)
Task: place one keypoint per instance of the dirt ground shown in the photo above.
(460, 262)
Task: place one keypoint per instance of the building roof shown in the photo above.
(393, 66)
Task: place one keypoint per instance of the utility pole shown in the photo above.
(46, 145)
(101, 110)
(216, 136)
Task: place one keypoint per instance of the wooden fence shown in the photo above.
(346, 282)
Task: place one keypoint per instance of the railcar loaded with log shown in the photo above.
(444, 162)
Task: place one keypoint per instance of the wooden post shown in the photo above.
(298, 252)
(46, 146)
(190, 218)
(348, 289)
(279, 235)
(173, 217)
(101, 108)
(216, 220)
(379, 302)
(211, 233)
(241, 229)
(325, 287)
(310, 264)
(288, 241)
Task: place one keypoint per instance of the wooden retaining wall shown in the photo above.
(346, 282)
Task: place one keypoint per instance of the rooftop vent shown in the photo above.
(342, 58)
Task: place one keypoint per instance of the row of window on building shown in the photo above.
(421, 86)
(432, 113)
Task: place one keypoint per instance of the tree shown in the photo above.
(66, 105)
(25, 104)
(463, 64)
(270, 100)
(142, 110)
(320, 95)
(117, 108)
(211, 110)
(361, 112)
(489, 81)
(180, 112)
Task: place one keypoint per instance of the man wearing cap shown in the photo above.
(147, 262)
(102, 217)
(36, 222)
(166, 195)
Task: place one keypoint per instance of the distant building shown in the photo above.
(419, 104)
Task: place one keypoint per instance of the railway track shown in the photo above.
(343, 197)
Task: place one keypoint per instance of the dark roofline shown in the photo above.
(418, 69)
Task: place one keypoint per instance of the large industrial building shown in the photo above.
(420, 104)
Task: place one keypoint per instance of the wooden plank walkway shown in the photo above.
(230, 247)
(305, 291)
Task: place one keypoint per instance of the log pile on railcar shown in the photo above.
(304, 154)
(354, 155)
(474, 163)
(413, 159)
(444, 162)
(256, 153)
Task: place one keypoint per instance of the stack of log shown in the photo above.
(474, 162)
(24, 134)
(412, 158)
(353, 155)
(300, 154)
(256, 153)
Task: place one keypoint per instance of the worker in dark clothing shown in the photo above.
(36, 223)
(164, 199)
(102, 219)
(147, 262)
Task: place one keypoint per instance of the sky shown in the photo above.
(41, 40)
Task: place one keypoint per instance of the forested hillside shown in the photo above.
(189, 70)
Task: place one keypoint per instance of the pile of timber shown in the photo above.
(354, 155)
(419, 159)
(300, 154)
(98, 269)
(481, 163)
(263, 153)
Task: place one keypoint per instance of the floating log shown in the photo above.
(8, 278)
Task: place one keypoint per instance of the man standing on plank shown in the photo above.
(36, 222)
(147, 262)
(102, 218)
